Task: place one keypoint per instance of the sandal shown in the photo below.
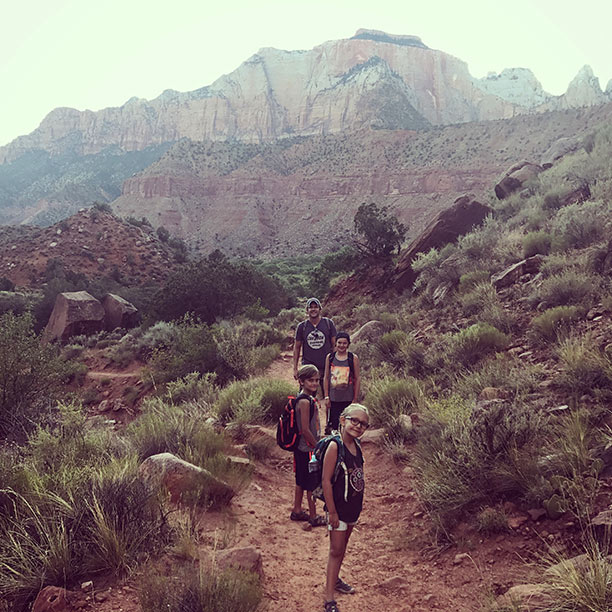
(317, 521)
(299, 516)
(331, 606)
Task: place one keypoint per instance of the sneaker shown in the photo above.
(331, 606)
(343, 587)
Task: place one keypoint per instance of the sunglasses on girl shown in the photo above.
(355, 421)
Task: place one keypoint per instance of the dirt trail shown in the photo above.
(384, 560)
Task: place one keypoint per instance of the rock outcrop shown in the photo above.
(515, 178)
(74, 313)
(79, 312)
(446, 227)
(183, 480)
(119, 312)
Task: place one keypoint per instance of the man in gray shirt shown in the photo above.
(315, 338)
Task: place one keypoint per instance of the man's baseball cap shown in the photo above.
(313, 301)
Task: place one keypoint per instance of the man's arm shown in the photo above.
(297, 348)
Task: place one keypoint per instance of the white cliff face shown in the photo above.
(515, 85)
(374, 79)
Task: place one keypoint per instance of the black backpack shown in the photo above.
(287, 430)
(315, 465)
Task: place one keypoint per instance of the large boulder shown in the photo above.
(527, 598)
(560, 148)
(368, 332)
(119, 312)
(183, 480)
(74, 313)
(464, 214)
(515, 178)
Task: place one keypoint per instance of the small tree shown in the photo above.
(379, 233)
(30, 372)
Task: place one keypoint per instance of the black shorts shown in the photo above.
(335, 410)
(303, 478)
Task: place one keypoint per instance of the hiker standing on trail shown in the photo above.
(342, 381)
(343, 484)
(314, 338)
(307, 414)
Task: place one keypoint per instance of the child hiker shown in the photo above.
(307, 412)
(342, 381)
(344, 496)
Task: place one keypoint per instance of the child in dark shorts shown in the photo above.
(307, 413)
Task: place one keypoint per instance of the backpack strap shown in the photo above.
(310, 399)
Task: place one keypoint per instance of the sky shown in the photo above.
(91, 55)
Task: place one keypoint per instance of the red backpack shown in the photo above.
(287, 430)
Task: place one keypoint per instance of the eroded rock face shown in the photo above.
(446, 227)
(74, 313)
(515, 178)
(119, 312)
(513, 273)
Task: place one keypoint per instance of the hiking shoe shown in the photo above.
(343, 587)
(317, 521)
(299, 516)
(331, 606)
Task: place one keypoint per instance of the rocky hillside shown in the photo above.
(300, 195)
(91, 242)
(371, 80)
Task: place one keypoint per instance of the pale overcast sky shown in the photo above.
(90, 55)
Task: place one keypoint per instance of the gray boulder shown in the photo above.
(74, 313)
(119, 312)
(515, 178)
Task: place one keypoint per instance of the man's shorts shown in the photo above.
(303, 477)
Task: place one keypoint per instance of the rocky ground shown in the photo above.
(394, 560)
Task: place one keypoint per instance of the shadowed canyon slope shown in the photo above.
(300, 195)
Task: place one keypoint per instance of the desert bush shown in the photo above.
(31, 374)
(579, 225)
(482, 300)
(536, 242)
(503, 371)
(584, 366)
(492, 520)
(568, 287)
(555, 322)
(13, 302)
(473, 343)
(195, 589)
(388, 398)
(479, 459)
(402, 351)
(441, 268)
(194, 387)
(469, 280)
(257, 400)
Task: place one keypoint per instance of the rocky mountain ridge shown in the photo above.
(334, 87)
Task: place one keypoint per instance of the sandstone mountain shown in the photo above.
(371, 80)
(278, 154)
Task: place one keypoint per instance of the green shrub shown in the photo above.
(580, 225)
(536, 242)
(555, 322)
(469, 280)
(492, 520)
(197, 590)
(478, 459)
(568, 287)
(194, 387)
(31, 374)
(471, 344)
(388, 398)
(402, 351)
(584, 366)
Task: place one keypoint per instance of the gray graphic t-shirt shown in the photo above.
(316, 341)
